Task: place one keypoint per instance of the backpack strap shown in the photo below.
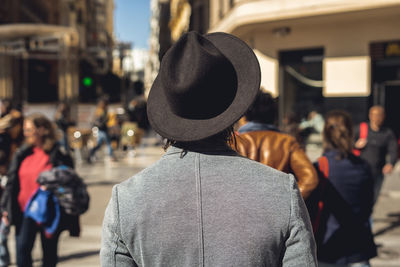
(363, 135)
(363, 130)
(323, 166)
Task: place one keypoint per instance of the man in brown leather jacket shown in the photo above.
(261, 141)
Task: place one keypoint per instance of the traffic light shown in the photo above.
(87, 81)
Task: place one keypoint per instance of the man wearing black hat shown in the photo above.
(202, 204)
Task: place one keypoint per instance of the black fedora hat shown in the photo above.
(205, 84)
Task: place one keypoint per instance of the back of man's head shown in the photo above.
(264, 109)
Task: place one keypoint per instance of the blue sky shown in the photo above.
(132, 22)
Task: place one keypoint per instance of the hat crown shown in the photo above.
(199, 81)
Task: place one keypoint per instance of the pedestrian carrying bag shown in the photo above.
(363, 135)
(68, 187)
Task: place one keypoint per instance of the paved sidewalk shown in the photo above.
(387, 222)
(102, 175)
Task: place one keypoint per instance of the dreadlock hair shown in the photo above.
(338, 133)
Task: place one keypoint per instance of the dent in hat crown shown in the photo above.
(198, 80)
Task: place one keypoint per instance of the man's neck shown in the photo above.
(375, 127)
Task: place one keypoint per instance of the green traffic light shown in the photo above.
(87, 81)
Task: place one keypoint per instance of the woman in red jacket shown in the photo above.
(40, 153)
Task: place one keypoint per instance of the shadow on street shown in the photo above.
(393, 219)
(78, 255)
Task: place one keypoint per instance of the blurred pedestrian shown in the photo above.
(114, 129)
(260, 140)
(314, 122)
(10, 139)
(40, 152)
(4, 226)
(202, 204)
(343, 232)
(5, 107)
(11, 135)
(311, 128)
(137, 112)
(290, 126)
(100, 121)
(378, 143)
(4, 252)
(64, 121)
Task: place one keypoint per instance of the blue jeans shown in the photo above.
(102, 137)
(4, 253)
(25, 239)
(378, 182)
(64, 142)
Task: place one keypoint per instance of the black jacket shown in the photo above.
(9, 200)
(379, 145)
(344, 234)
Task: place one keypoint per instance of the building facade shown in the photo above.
(321, 54)
(169, 20)
(29, 46)
(48, 47)
(159, 40)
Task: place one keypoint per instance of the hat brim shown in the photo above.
(247, 68)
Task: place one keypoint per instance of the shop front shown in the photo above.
(323, 61)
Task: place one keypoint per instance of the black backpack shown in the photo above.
(315, 202)
(68, 187)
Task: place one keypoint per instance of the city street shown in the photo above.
(91, 67)
(101, 176)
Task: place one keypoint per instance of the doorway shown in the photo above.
(300, 87)
(386, 80)
(391, 91)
